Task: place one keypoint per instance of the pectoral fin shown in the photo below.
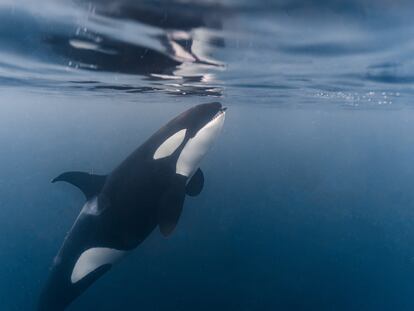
(89, 184)
(195, 184)
(171, 206)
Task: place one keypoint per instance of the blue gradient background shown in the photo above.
(308, 201)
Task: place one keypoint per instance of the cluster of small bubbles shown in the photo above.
(356, 99)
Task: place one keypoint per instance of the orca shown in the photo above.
(146, 190)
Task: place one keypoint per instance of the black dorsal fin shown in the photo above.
(171, 206)
(195, 184)
(89, 184)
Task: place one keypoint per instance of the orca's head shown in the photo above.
(197, 117)
(191, 135)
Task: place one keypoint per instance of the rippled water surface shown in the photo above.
(308, 202)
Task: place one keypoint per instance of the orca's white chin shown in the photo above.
(220, 113)
(197, 146)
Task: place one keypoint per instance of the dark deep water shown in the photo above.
(308, 202)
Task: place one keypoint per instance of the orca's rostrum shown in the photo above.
(145, 191)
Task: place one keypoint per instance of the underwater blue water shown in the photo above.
(308, 202)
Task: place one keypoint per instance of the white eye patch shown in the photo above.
(168, 147)
(92, 259)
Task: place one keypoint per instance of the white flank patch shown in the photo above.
(168, 147)
(92, 259)
(197, 147)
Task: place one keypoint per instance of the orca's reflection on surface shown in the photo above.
(171, 45)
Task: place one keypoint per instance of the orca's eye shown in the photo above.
(171, 144)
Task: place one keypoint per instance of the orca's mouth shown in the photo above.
(221, 111)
